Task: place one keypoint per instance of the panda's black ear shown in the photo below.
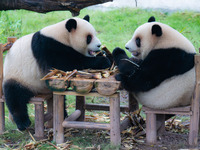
(71, 24)
(157, 30)
(87, 18)
(152, 19)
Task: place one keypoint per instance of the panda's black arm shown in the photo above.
(71, 59)
(158, 66)
(125, 64)
(119, 54)
(50, 53)
(99, 62)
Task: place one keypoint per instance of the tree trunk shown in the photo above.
(43, 6)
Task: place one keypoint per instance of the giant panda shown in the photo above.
(161, 72)
(67, 45)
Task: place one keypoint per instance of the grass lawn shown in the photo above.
(114, 29)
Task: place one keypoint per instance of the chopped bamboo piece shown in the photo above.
(107, 86)
(82, 85)
(70, 75)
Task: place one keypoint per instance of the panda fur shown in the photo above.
(163, 75)
(67, 45)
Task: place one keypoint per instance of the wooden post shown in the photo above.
(80, 105)
(2, 111)
(39, 120)
(74, 116)
(50, 110)
(86, 125)
(194, 119)
(115, 136)
(133, 103)
(58, 118)
(160, 120)
(151, 133)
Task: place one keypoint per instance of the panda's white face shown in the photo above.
(83, 38)
(76, 33)
(142, 42)
(156, 35)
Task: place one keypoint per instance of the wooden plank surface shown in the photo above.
(169, 112)
(105, 107)
(41, 98)
(85, 125)
(92, 93)
(175, 109)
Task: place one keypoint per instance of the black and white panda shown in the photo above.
(161, 73)
(67, 45)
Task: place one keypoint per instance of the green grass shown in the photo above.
(114, 29)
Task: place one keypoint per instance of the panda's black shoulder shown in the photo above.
(173, 61)
(41, 41)
(49, 52)
(156, 67)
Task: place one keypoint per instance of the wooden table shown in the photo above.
(58, 119)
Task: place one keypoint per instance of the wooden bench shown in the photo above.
(38, 101)
(192, 111)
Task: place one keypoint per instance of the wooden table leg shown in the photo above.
(39, 120)
(161, 119)
(2, 118)
(194, 118)
(115, 136)
(50, 110)
(151, 133)
(58, 118)
(80, 105)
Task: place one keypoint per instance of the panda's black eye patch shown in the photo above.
(137, 41)
(89, 39)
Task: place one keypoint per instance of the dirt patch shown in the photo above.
(166, 141)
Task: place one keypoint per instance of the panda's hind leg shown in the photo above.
(17, 96)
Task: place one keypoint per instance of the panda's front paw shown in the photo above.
(127, 67)
(118, 51)
(119, 54)
(22, 122)
(102, 63)
(118, 77)
(125, 81)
